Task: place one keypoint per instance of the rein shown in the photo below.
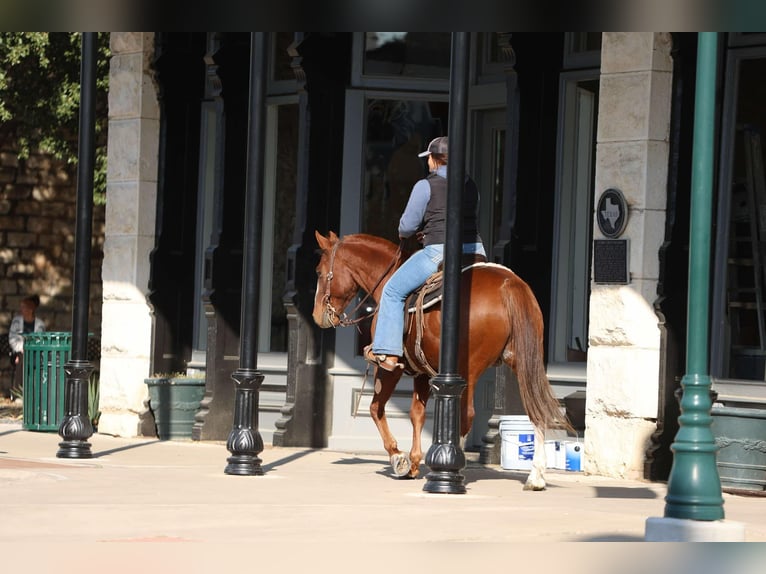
(343, 320)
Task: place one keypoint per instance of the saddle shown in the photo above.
(423, 298)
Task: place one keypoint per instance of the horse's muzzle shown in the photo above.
(327, 320)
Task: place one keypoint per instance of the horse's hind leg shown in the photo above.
(420, 395)
(467, 411)
(385, 382)
(536, 478)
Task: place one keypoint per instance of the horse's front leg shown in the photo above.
(420, 395)
(536, 478)
(385, 382)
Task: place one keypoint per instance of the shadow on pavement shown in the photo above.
(9, 432)
(101, 453)
(622, 492)
(610, 538)
(282, 461)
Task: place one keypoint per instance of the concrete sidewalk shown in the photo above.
(162, 492)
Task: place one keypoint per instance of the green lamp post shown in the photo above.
(694, 487)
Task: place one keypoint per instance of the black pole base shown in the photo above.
(245, 441)
(244, 465)
(74, 449)
(444, 483)
(445, 461)
(75, 428)
(445, 457)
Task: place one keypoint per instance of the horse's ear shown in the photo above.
(323, 242)
(333, 237)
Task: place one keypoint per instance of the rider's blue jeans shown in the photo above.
(411, 275)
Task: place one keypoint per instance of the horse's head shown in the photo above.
(335, 285)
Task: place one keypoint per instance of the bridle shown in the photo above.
(342, 317)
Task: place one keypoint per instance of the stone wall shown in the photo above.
(37, 228)
(131, 214)
(624, 337)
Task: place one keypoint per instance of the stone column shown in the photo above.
(624, 337)
(130, 223)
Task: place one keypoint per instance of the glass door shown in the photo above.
(738, 328)
(383, 159)
(573, 221)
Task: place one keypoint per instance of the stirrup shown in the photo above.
(383, 361)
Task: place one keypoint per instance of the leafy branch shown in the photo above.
(40, 96)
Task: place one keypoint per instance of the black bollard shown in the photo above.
(245, 441)
(445, 457)
(75, 428)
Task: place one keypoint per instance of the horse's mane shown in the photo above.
(366, 238)
(376, 243)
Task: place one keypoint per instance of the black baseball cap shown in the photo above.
(437, 145)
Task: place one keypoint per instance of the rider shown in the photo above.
(425, 215)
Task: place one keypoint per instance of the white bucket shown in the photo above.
(518, 442)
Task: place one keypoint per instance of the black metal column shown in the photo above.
(245, 442)
(75, 428)
(445, 457)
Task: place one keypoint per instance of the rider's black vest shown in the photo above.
(436, 212)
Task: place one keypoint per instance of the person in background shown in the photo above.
(26, 321)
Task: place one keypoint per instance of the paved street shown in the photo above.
(171, 497)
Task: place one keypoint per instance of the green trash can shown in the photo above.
(45, 355)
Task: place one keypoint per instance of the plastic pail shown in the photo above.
(573, 456)
(518, 442)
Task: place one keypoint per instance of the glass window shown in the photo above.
(490, 57)
(743, 305)
(397, 130)
(410, 54)
(747, 39)
(574, 205)
(585, 41)
(278, 223)
(488, 170)
(582, 50)
(282, 69)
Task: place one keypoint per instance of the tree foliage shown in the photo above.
(40, 95)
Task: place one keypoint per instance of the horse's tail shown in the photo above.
(524, 354)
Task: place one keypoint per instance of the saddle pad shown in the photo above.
(434, 287)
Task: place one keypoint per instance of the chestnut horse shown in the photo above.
(500, 320)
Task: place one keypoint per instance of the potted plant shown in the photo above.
(174, 399)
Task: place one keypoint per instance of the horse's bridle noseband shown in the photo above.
(342, 317)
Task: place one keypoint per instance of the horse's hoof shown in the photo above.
(400, 464)
(534, 486)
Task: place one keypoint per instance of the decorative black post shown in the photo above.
(75, 427)
(245, 441)
(445, 457)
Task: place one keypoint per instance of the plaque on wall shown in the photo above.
(610, 261)
(612, 213)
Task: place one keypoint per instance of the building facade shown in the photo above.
(555, 121)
